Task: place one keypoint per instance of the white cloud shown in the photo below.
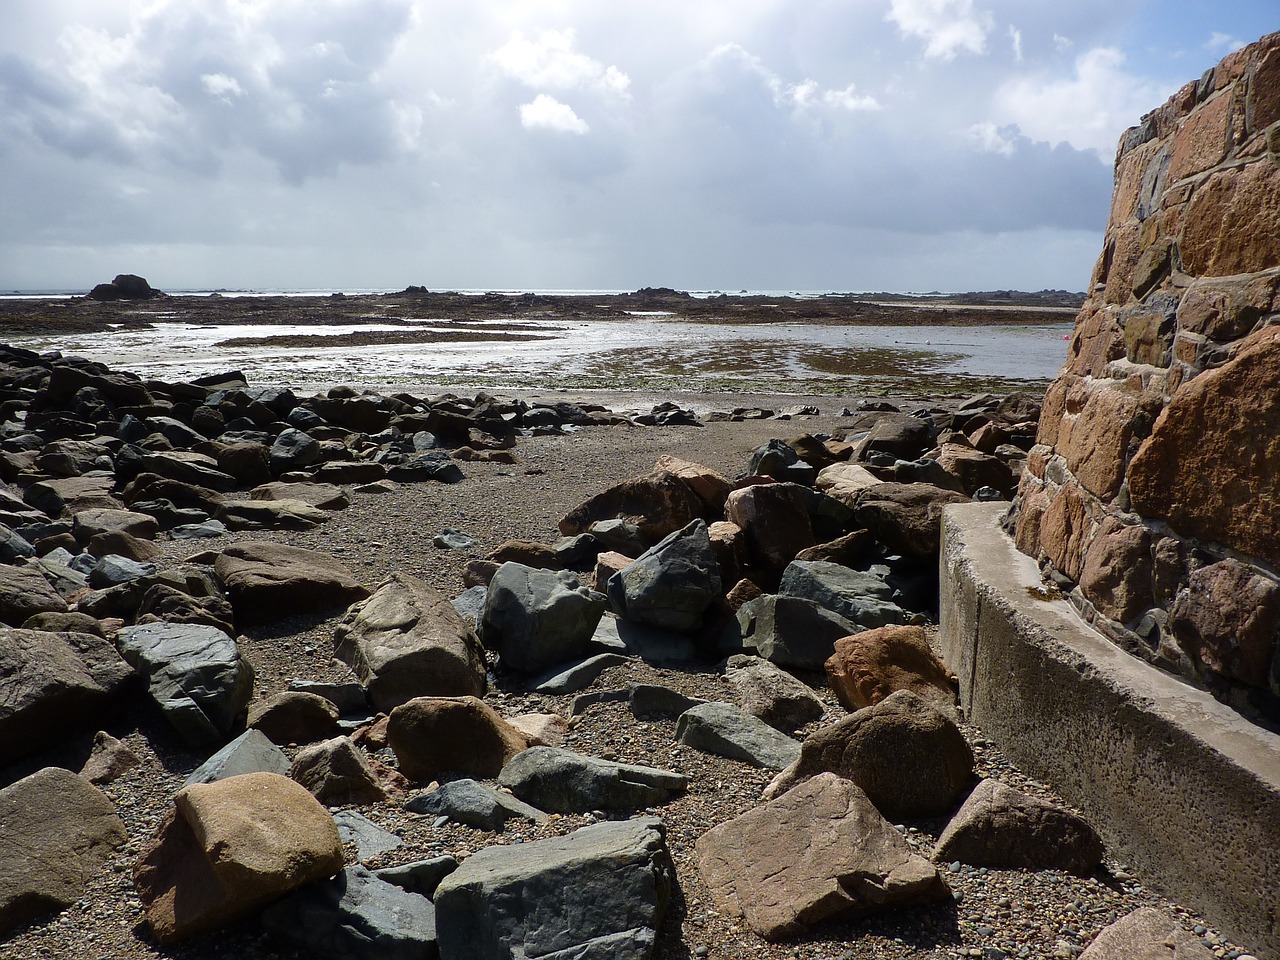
(1015, 37)
(1088, 110)
(988, 138)
(548, 113)
(807, 94)
(550, 62)
(1222, 43)
(1062, 44)
(221, 86)
(946, 26)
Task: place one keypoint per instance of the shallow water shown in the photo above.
(640, 353)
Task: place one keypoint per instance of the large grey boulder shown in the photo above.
(196, 674)
(561, 781)
(672, 584)
(861, 597)
(907, 756)
(408, 640)
(57, 832)
(24, 592)
(770, 693)
(727, 731)
(998, 826)
(52, 684)
(535, 619)
(293, 449)
(819, 852)
(472, 803)
(355, 916)
(251, 752)
(599, 892)
(792, 632)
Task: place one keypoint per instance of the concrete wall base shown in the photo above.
(1184, 790)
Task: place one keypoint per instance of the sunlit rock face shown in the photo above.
(1153, 496)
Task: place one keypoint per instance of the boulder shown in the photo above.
(270, 515)
(575, 676)
(355, 916)
(436, 735)
(230, 847)
(434, 465)
(109, 759)
(407, 641)
(869, 666)
(58, 833)
(561, 781)
(325, 496)
(89, 523)
(542, 729)
(861, 597)
(601, 891)
(710, 486)
(113, 570)
(905, 436)
(909, 758)
(251, 752)
(337, 774)
(798, 633)
(535, 619)
(267, 581)
(52, 685)
(292, 450)
(845, 482)
(775, 519)
(818, 852)
(1004, 828)
(727, 731)
(369, 839)
(473, 804)
(974, 469)
(672, 584)
(14, 548)
(25, 592)
(659, 504)
(292, 716)
(71, 495)
(1146, 934)
(775, 696)
(906, 518)
(419, 876)
(1226, 617)
(195, 673)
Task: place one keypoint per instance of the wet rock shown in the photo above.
(818, 852)
(601, 891)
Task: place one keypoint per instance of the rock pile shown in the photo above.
(1151, 494)
(819, 561)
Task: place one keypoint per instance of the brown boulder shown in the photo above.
(408, 640)
(819, 852)
(267, 581)
(775, 519)
(1227, 618)
(1211, 467)
(766, 691)
(909, 758)
(123, 545)
(529, 552)
(849, 550)
(337, 774)
(867, 667)
(230, 847)
(109, 760)
(709, 486)
(73, 494)
(325, 496)
(249, 463)
(607, 564)
(1063, 528)
(906, 517)
(89, 523)
(292, 716)
(1004, 828)
(57, 832)
(436, 735)
(975, 469)
(845, 481)
(659, 504)
(24, 592)
(1146, 934)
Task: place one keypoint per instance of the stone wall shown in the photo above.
(1153, 494)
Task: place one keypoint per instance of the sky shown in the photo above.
(902, 145)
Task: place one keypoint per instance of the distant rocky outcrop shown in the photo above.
(1151, 494)
(126, 286)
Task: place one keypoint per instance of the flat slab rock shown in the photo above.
(601, 891)
(267, 581)
(818, 852)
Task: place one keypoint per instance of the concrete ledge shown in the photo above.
(1183, 790)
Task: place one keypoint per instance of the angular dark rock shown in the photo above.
(561, 781)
